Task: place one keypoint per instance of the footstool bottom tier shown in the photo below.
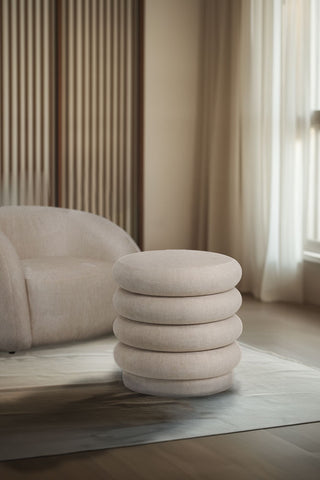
(177, 366)
(177, 388)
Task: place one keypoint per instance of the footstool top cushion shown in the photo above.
(175, 273)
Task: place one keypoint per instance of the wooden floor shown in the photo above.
(286, 329)
(291, 453)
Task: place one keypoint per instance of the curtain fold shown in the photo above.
(255, 147)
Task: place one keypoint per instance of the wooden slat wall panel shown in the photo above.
(27, 134)
(69, 106)
(99, 117)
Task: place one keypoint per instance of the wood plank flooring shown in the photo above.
(281, 453)
(291, 453)
(287, 329)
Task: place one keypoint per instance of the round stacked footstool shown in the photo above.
(177, 325)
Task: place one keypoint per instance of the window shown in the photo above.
(313, 200)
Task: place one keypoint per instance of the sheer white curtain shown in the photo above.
(255, 142)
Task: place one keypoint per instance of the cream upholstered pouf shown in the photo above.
(177, 273)
(177, 325)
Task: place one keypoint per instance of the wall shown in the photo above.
(312, 282)
(172, 48)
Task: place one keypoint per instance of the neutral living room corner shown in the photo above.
(160, 239)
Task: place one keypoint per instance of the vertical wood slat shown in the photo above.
(70, 104)
(38, 101)
(22, 101)
(63, 132)
(101, 118)
(86, 111)
(78, 66)
(114, 115)
(137, 139)
(99, 153)
(26, 148)
(5, 95)
(109, 104)
(14, 61)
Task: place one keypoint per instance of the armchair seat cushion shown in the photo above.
(70, 298)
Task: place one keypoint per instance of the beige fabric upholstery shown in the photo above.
(69, 297)
(177, 273)
(177, 327)
(15, 327)
(177, 310)
(50, 232)
(177, 388)
(177, 366)
(178, 338)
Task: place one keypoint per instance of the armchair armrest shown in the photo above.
(100, 238)
(15, 326)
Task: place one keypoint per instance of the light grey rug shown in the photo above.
(71, 399)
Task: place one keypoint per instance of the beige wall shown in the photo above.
(311, 282)
(172, 47)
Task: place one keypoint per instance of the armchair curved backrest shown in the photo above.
(48, 231)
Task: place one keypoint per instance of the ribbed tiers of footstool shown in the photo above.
(177, 325)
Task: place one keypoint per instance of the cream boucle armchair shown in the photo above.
(55, 275)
